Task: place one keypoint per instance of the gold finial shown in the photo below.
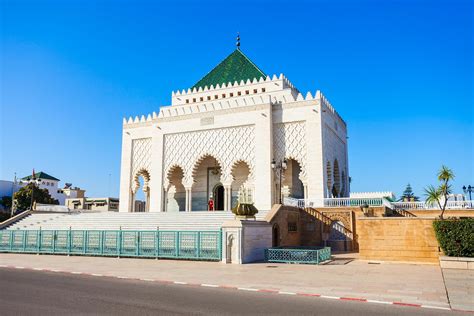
(238, 41)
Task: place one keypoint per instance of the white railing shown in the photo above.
(358, 202)
(348, 202)
(432, 206)
(335, 202)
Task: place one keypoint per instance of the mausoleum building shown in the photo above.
(228, 136)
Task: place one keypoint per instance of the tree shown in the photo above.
(23, 197)
(408, 195)
(6, 202)
(440, 194)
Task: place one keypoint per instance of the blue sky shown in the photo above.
(399, 72)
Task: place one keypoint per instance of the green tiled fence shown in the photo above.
(297, 254)
(192, 245)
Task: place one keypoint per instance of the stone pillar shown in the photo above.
(125, 170)
(189, 202)
(227, 197)
(263, 156)
(315, 168)
(164, 204)
(156, 171)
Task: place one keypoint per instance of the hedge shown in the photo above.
(455, 236)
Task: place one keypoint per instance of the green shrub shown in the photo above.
(456, 236)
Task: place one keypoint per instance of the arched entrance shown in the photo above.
(140, 192)
(218, 194)
(206, 178)
(291, 185)
(175, 193)
(275, 235)
(240, 183)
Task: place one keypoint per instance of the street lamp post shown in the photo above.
(469, 190)
(279, 168)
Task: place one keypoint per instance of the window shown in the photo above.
(239, 93)
(216, 97)
(247, 92)
(254, 90)
(187, 100)
(194, 99)
(263, 89)
(223, 95)
(201, 99)
(208, 97)
(231, 94)
(292, 220)
(292, 227)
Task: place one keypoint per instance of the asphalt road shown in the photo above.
(26, 292)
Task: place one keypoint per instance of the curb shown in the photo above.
(229, 287)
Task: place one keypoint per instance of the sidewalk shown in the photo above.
(385, 282)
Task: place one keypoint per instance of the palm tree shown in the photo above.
(441, 193)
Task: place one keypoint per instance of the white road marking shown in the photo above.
(330, 297)
(247, 289)
(378, 302)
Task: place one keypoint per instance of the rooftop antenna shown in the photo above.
(238, 41)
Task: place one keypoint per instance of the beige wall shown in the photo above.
(397, 239)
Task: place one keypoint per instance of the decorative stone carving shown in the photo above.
(141, 155)
(289, 141)
(226, 145)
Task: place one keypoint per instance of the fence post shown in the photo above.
(24, 240)
(177, 244)
(119, 240)
(220, 241)
(198, 244)
(38, 240)
(69, 241)
(10, 240)
(84, 241)
(157, 242)
(102, 241)
(54, 241)
(137, 243)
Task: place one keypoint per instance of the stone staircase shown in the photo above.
(126, 221)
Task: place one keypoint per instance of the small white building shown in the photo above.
(219, 137)
(46, 181)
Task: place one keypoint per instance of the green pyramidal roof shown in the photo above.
(41, 175)
(235, 67)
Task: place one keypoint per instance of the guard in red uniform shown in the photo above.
(211, 204)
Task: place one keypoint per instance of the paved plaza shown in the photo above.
(379, 282)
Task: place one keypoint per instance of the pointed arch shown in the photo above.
(337, 180)
(145, 175)
(329, 178)
(175, 197)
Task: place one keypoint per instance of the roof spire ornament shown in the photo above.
(238, 41)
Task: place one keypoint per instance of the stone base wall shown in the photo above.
(245, 241)
(397, 239)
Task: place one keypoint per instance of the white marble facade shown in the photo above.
(221, 140)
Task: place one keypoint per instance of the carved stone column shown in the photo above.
(227, 197)
(189, 203)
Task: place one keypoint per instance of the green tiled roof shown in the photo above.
(41, 175)
(235, 67)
